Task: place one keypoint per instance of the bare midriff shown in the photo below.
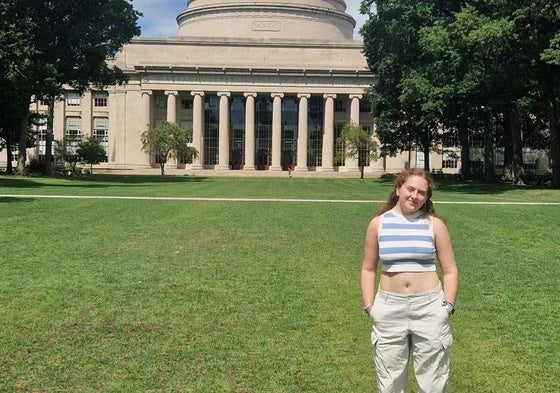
(408, 283)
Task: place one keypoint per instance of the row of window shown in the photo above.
(340, 105)
(73, 134)
(100, 99)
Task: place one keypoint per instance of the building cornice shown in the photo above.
(249, 42)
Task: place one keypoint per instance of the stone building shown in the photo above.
(263, 85)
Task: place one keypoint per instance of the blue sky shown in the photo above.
(159, 16)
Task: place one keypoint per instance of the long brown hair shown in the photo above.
(427, 208)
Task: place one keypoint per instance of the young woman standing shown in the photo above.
(411, 308)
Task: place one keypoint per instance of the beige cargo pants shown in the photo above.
(411, 326)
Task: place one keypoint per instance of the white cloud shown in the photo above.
(159, 18)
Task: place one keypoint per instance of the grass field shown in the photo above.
(186, 295)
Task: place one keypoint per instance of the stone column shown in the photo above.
(276, 131)
(249, 131)
(198, 128)
(223, 131)
(171, 106)
(302, 133)
(147, 117)
(352, 162)
(146, 109)
(87, 114)
(328, 133)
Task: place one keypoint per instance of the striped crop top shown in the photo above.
(406, 243)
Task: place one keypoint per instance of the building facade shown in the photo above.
(263, 85)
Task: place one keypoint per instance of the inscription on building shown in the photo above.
(266, 25)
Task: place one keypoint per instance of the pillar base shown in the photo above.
(275, 169)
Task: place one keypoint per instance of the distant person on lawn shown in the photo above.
(411, 309)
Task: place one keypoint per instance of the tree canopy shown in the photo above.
(50, 45)
(357, 144)
(168, 140)
(466, 68)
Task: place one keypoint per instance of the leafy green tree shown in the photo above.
(91, 152)
(62, 43)
(405, 106)
(168, 140)
(66, 155)
(357, 144)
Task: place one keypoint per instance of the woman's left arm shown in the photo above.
(446, 259)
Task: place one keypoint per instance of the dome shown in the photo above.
(272, 19)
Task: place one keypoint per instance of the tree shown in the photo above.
(405, 106)
(62, 43)
(357, 144)
(91, 152)
(168, 140)
(66, 152)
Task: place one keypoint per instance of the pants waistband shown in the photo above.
(429, 293)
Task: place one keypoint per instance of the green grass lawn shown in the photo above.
(137, 295)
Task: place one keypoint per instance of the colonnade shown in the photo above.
(249, 148)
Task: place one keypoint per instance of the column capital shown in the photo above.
(254, 95)
(223, 94)
(274, 95)
(329, 95)
(171, 92)
(358, 96)
(148, 92)
(197, 93)
(304, 95)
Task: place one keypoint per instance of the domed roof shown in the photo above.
(267, 19)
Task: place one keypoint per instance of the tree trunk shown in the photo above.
(463, 129)
(22, 142)
(489, 160)
(554, 142)
(10, 157)
(517, 145)
(426, 148)
(508, 172)
(47, 165)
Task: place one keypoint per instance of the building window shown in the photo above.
(211, 124)
(289, 133)
(449, 159)
(339, 146)
(101, 133)
(315, 117)
(263, 124)
(161, 102)
(100, 99)
(237, 136)
(73, 98)
(42, 139)
(339, 105)
(530, 157)
(186, 103)
(365, 106)
(73, 134)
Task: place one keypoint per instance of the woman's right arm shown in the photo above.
(369, 264)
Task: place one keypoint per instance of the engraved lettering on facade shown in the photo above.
(266, 26)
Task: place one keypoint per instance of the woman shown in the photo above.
(411, 309)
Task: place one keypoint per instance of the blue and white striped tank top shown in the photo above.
(406, 243)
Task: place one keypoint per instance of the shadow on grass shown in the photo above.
(94, 181)
(15, 200)
(452, 184)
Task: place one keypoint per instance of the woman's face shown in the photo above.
(412, 195)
